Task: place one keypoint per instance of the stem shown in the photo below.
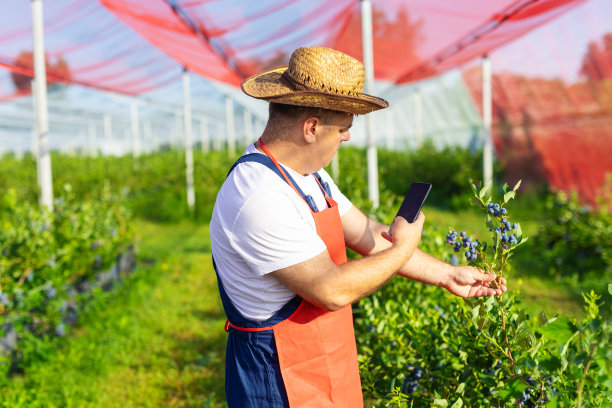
(584, 373)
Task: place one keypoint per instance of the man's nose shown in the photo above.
(346, 136)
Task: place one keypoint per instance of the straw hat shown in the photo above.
(319, 77)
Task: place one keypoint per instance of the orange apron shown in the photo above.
(316, 348)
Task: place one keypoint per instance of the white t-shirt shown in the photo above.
(259, 225)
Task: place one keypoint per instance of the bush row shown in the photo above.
(421, 346)
(49, 258)
(154, 184)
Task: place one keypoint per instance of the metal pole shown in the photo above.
(487, 157)
(135, 130)
(229, 118)
(368, 62)
(188, 140)
(43, 158)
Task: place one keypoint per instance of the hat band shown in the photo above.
(293, 84)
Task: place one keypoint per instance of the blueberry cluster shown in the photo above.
(411, 382)
(471, 253)
(502, 232)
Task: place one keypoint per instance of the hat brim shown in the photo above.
(268, 86)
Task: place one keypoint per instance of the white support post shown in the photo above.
(135, 130)
(43, 158)
(487, 157)
(231, 132)
(204, 134)
(368, 62)
(188, 140)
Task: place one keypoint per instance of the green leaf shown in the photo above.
(484, 191)
(610, 288)
(558, 331)
(442, 403)
(475, 311)
(505, 187)
(475, 201)
(542, 318)
(460, 389)
(509, 196)
(513, 389)
(517, 185)
(473, 187)
(458, 403)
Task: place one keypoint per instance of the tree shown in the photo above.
(58, 72)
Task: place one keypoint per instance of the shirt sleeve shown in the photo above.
(274, 230)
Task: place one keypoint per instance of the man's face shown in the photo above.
(332, 135)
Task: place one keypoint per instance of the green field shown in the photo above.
(158, 339)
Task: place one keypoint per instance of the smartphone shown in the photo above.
(413, 202)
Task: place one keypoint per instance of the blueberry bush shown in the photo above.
(47, 257)
(576, 239)
(421, 346)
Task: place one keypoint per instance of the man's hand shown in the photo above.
(406, 235)
(467, 281)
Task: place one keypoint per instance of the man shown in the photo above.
(279, 232)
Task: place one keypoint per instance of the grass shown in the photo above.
(157, 340)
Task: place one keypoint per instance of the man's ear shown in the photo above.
(309, 128)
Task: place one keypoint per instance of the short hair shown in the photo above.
(283, 112)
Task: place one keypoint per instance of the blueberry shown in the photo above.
(60, 330)
(496, 206)
(491, 210)
(474, 257)
(371, 328)
(466, 244)
(457, 249)
(462, 234)
(514, 226)
(51, 292)
(4, 299)
(503, 211)
(458, 244)
(5, 252)
(454, 260)
(474, 244)
(417, 373)
(505, 246)
(503, 220)
(468, 255)
(454, 233)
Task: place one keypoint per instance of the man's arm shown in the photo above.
(366, 237)
(332, 286)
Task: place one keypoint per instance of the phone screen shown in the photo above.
(413, 202)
